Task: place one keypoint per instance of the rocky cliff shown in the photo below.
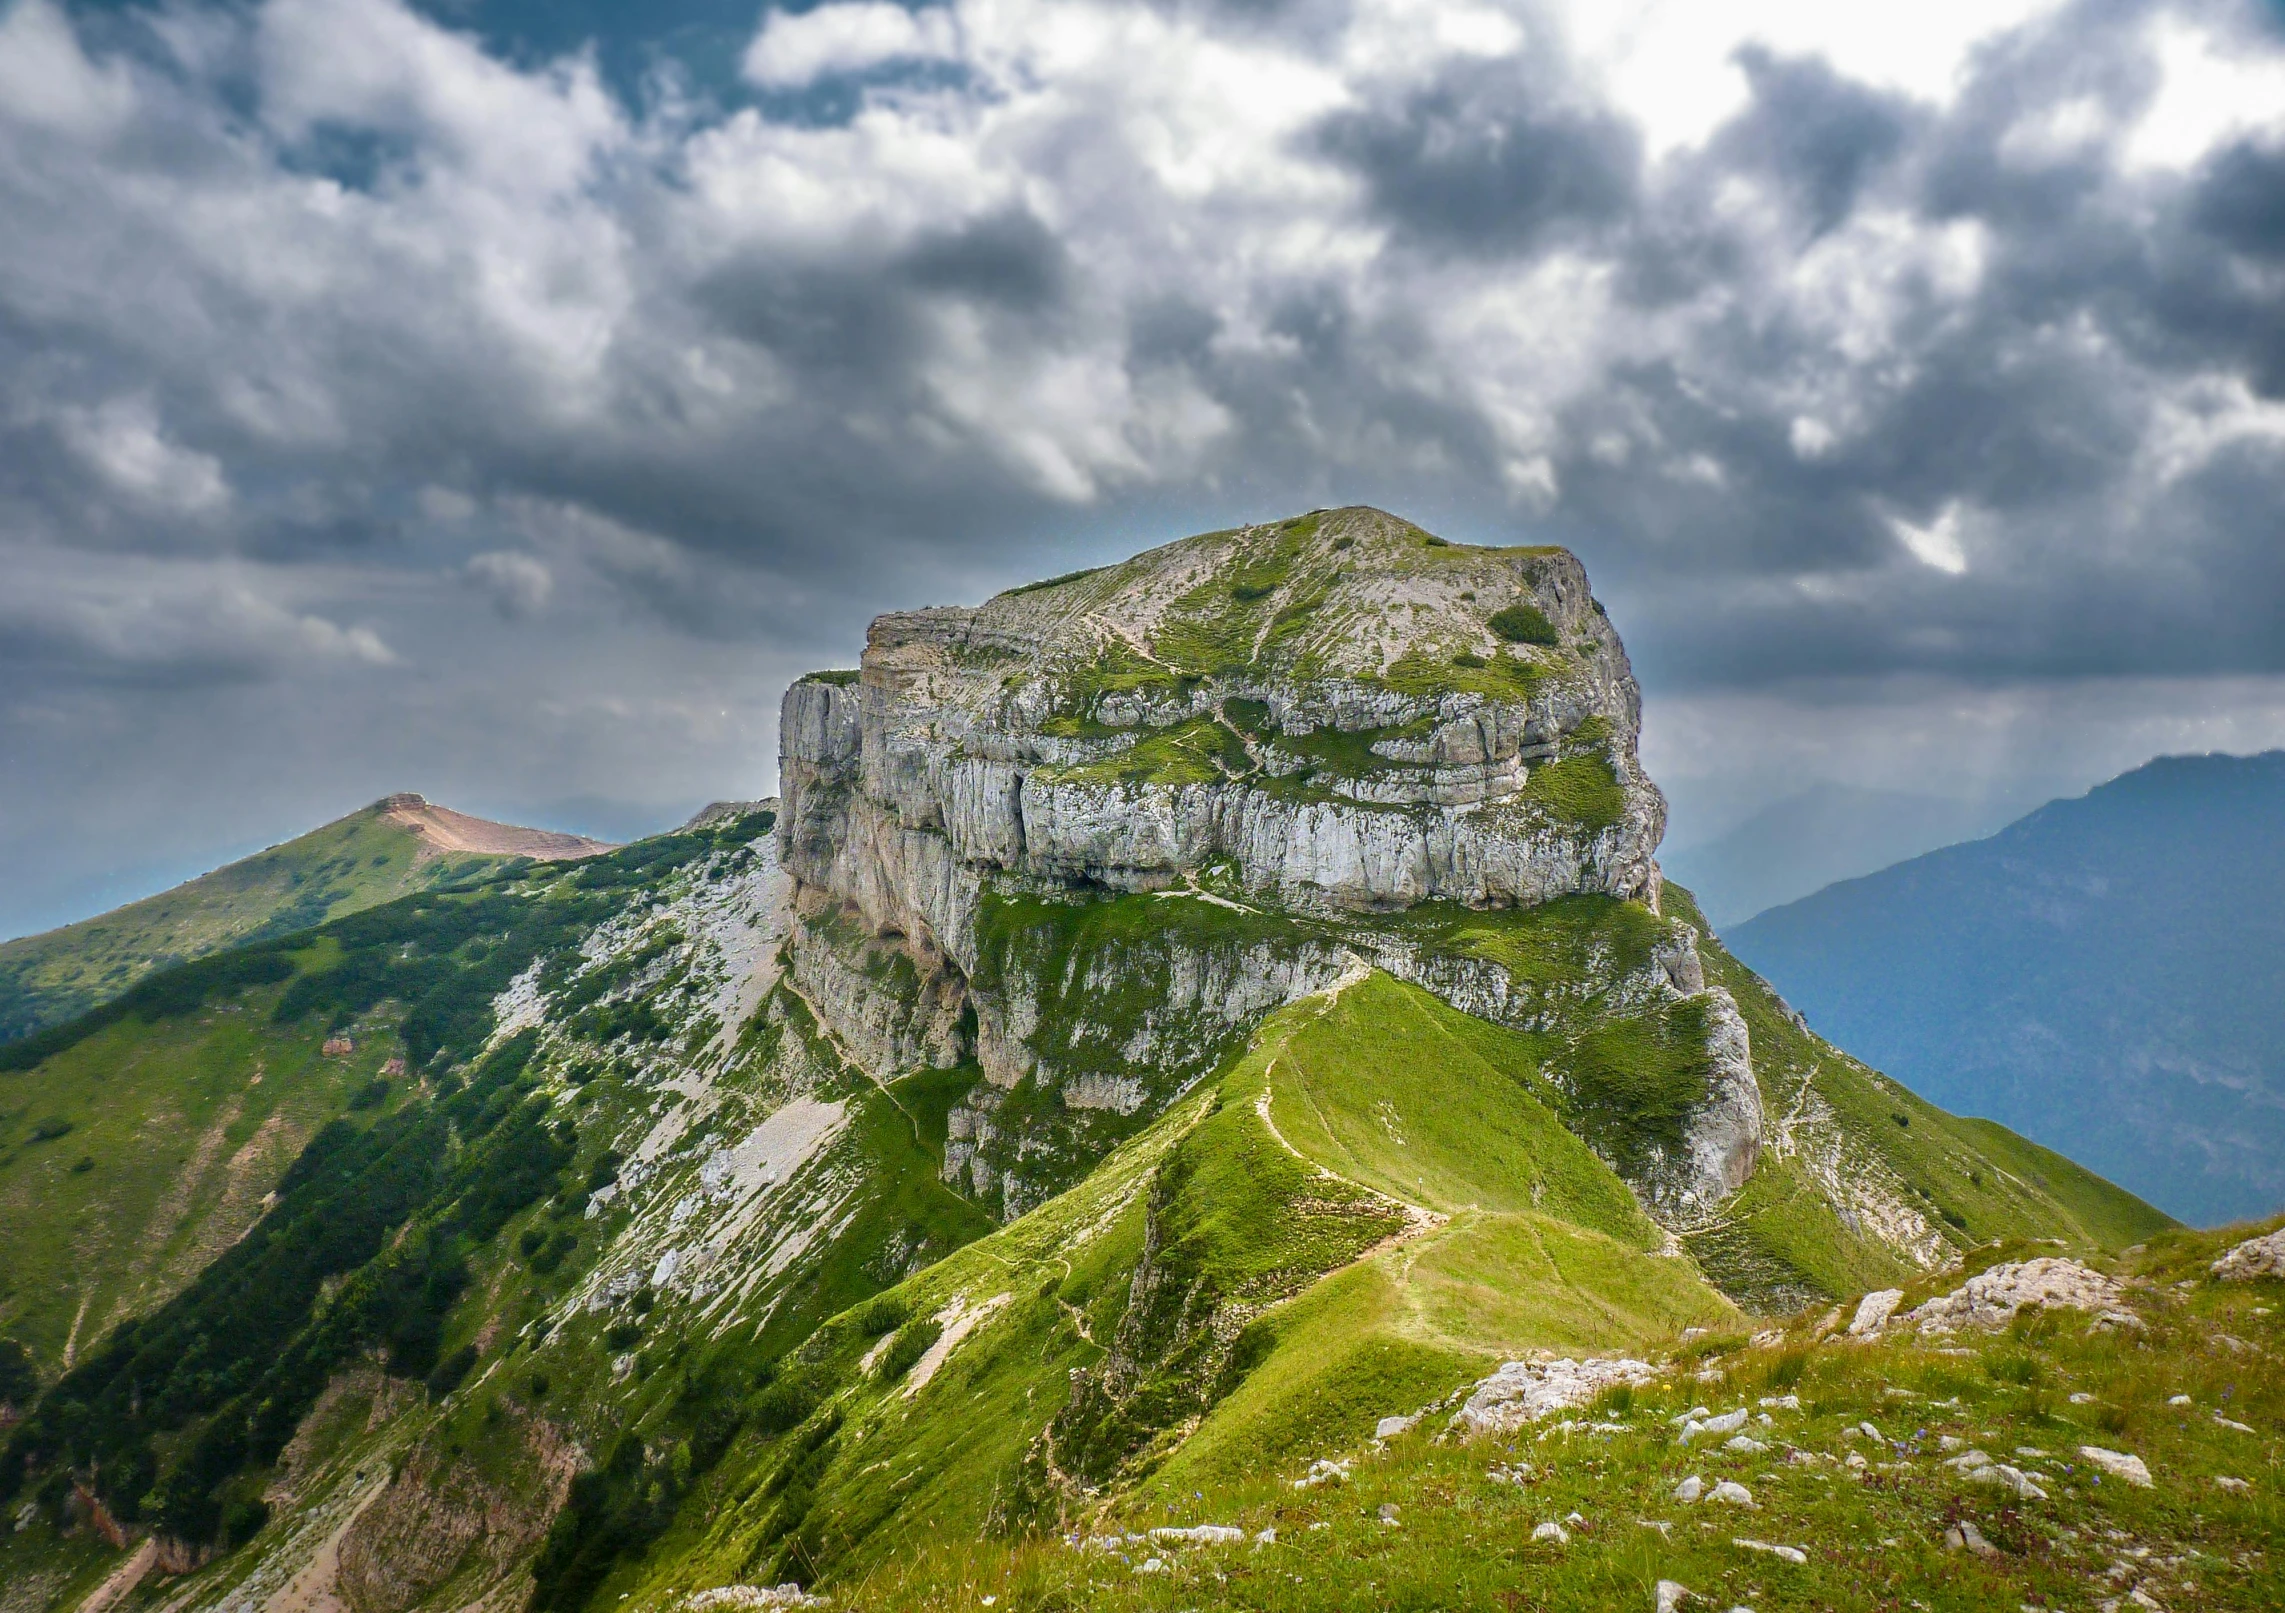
(1335, 719)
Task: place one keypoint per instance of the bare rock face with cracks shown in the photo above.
(1337, 717)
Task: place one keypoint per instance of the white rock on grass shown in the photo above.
(1690, 1489)
(1525, 1391)
(1670, 1595)
(1551, 1530)
(2234, 1486)
(1991, 1298)
(2230, 1423)
(1965, 1536)
(1745, 1445)
(2119, 1464)
(1200, 1534)
(1729, 1422)
(751, 1597)
(2011, 1479)
(1390, 1427)
(2256, 1257)
(1874, 1310)
(1731, 1493)
(1784, 1554)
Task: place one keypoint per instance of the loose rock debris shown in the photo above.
(1525, 1391)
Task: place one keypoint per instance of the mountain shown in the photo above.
(2107, 975)
(1810, 840)
(1177, 1017)
(396, 845)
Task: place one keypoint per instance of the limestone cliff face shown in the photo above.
(1353, 730)
(1333, 718)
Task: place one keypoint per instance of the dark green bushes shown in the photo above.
(221, 1375)
(1525, 624)
(884, 1313)
(19, 1380)
(615, 1511)
(913, 1341)
(448, 1374)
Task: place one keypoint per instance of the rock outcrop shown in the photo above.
(1991, 1298)
(2255, 1257)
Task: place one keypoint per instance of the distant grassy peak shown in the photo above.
(399, 844)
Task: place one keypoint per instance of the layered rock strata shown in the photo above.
(1332, 718)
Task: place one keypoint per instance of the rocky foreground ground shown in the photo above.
(2108, 1441)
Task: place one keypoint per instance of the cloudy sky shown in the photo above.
(483, 398)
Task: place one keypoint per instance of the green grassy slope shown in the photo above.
(1369, 1203)
(138, 1142)
(176, 1129)
(1461, 1529)
(352, 863)
(1228, 1291)
(1375, 1202)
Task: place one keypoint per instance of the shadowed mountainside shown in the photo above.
(2106, 975)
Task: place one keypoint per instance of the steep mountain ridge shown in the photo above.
(399, 844)
(1146, 1046)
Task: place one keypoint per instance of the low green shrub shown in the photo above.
(905, 1350)
(448, 1374)
(883, 1313)
(1525, 624)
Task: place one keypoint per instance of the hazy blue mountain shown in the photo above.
(1807, 841)
(2106, 975)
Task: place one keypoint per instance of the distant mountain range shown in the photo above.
(398, 845)
(2106, 975)
(1807, 841)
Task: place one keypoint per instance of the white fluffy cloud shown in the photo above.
(851, 36)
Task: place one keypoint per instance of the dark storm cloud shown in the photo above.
(1818, 134)
(1488, 161)
(2241, 202)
